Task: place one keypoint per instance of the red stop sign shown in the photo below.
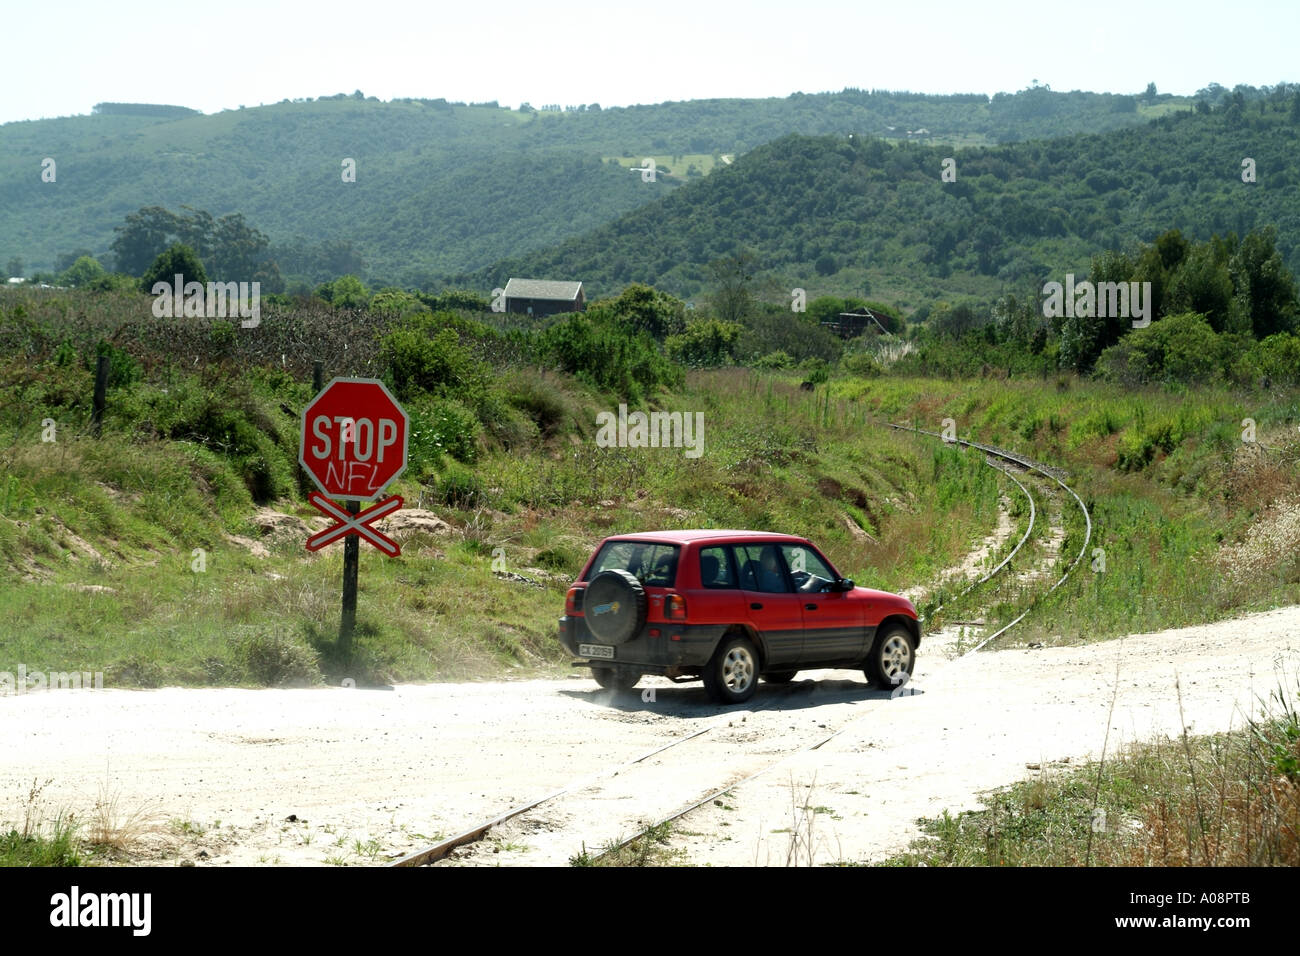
(353, 439)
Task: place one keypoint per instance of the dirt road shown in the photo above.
(361, 776)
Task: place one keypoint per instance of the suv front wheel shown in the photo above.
(891, 659)
(732, 675)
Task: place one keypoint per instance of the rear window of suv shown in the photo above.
(654, 565)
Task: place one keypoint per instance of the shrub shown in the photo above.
(423, 355)
(708, 343)
(1179, 348)
(816, 370)
(777, 359)
(275, 660)
(122, 369)
(541, 400)
(459, 487)
(345, 292)
(861, 364)
(601, 354)
(1278, 358)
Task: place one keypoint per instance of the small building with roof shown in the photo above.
(541, 297)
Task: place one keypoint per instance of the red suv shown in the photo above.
(727, 607)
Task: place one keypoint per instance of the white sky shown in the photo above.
(61, 59)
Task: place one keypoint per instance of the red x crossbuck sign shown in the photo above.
(358, 524)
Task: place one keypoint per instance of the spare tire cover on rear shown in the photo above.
(614, 606)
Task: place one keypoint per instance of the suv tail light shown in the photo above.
(675, 607)
(573, 600)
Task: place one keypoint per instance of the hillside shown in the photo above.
(839, 214)
(445, 188)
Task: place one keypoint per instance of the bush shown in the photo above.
(708, 343)
(1278, 358)
(345, 292)
(640, 308)
(225, 418)
(601, 354)
(861, 364)
(777, 359)
(459, 487)
(424, 355)
(122, 369)
(440, 426)
(772, 329)
(395, 302)
(275, 660)
(542, 400)
(1179, 348)
(816, 370)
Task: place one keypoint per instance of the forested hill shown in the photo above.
(443, 188)
(841, 214)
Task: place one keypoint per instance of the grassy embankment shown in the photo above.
(101, 539)
(117, 556)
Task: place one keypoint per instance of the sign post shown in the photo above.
(351, 562)
(354, 438)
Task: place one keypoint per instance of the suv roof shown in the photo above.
(701, 534)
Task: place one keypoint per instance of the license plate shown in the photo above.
(602, 651)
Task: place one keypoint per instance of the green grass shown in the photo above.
(60, 847)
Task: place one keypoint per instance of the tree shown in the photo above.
(1202, 284)
(733, 280)
(64, 261)
(345, 292)
(176, 259)
(142, 237)
(85, 272)
(232, 249)
(1265, 289)
(14, 266)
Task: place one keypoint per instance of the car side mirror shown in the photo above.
(843, 584)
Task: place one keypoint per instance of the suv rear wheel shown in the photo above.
(891, 659)
(732, 675)
(615, 678)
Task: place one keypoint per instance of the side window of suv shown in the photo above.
(761, 568)
(809, 571)
(715, 568)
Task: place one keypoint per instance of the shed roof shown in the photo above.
(543, 289)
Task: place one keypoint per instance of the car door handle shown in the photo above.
(756, 607)
(810, 607)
